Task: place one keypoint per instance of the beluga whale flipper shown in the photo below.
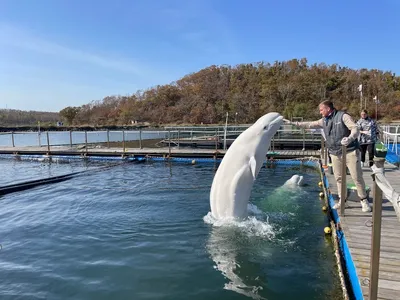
(235, 176)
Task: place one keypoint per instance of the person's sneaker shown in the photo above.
(365, 207)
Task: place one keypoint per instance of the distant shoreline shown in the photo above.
(34, 128)
(72, 128)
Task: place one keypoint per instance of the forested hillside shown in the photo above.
(293, 88)
(246, 91)
(13, 117)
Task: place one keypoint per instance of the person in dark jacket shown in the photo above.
(340, 129)
(368, 136)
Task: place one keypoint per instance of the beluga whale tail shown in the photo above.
(235, 176)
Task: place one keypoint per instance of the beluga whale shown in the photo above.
(295, 180)
(284, 200)
(235, 176)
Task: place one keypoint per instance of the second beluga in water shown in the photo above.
(234, 179)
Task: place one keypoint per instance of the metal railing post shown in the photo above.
(123, 141)
(108, 138)
(48, 142)
(273, 143)
(169, 144)
(375, 241)
(179, 136)
(12, 138)
(86, 141)
(70, 138)
(326, 154)
(216, 140)
(397, 139)
(343, 189)
(225, 138)
(140, 138)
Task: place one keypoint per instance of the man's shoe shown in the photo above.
(365, 207)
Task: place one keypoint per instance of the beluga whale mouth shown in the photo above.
(278, 119)
(235, 176)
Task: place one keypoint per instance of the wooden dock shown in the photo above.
(148, 152)
(357, 228)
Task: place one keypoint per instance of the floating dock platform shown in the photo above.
(144, 152)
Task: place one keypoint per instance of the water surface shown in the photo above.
(141, 231)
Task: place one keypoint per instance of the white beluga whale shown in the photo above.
(235, 176)
(295, 180)
(284, 199)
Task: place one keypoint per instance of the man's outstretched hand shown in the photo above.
(288, 122)
(346, 141)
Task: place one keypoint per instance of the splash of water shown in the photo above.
(256, 224)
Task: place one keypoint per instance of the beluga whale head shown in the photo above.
(234, 179)
(295, 180)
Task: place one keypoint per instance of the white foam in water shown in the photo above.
(251, 225)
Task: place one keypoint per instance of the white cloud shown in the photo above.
(15, 37)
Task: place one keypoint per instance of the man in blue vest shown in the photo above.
(340, 129)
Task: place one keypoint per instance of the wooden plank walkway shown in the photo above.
(162, 151)
(356, 226)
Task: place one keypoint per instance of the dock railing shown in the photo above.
(391, 138)
(209, 137)
(108, 138)
(381, 187)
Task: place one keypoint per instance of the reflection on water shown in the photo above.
(229, 246)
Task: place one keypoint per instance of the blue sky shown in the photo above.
(59, 53)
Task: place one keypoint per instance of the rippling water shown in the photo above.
(142, 231)
(14, 171)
